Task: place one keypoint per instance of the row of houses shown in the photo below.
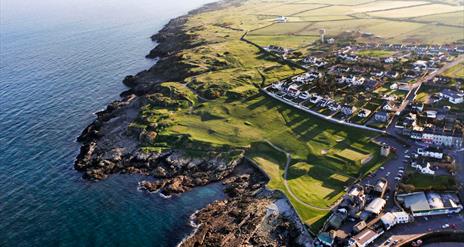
(419, 49)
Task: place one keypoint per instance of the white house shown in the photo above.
(281, 19)
(392, 218)
(453, 97)
(430, 152)
(423, 170)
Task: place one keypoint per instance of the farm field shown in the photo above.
(417, 11)
(392, 22)
(455, 18)
(455, 72)
(288, 41)
(375, 53)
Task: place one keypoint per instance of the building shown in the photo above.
(331, 41)
(453, 97)
(376, 206)
(359, 226)
(326, 238)
(381, 186)
(385, 150)
(422, 169)
(363, 238)
(363, 113)
(442, 137)
(431, 152)
(381, 116)
(281, 19)
(392, 218)
(348, 109)
(430, 203)
(322, 33)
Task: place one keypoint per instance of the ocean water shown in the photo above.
(60, 61)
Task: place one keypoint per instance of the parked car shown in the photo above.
(388, 174)
(382, 168)
(445, 226)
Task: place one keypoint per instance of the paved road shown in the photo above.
(406, 232)
(416, 86)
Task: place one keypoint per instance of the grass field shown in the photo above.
(288, 41)
(423, 182)
(393, 21)
(431, 9)
(455, 72)
(455, 18)
(312, 142)
(375, 53)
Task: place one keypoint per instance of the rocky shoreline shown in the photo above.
(109, 146)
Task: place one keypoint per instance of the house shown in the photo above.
(331, 41)
(431, 114)
(334, 107)
(315, 99)
(392, 218)
(304, 95)
(371, 85)
(420, 65)
(419, 107)
(424, 170)
(403, 86)
(381, 116)
(348, 109)
(378, 73)
(385, 150)
(276, 49)
(326, 238)
(453, 97)
(318, 62)
(281, 19)
(392, 74)
(348, 57)
(364, 238)
(376, 206)
(389, 106)
(364, 113)
(292, 90)
(389, 60)
(431, 152)
(443, 137)
(411, 74)
(441, 79)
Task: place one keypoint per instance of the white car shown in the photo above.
(382, 168)
(445, 226)
(388, 174)
(397, 178)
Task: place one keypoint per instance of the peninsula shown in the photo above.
(290, 105)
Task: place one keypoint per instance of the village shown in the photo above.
(404, 95)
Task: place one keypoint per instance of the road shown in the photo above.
(415, 87)
(421, 225)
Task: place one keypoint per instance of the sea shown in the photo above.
(60, 62)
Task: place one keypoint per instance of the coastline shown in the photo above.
(109, 147)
